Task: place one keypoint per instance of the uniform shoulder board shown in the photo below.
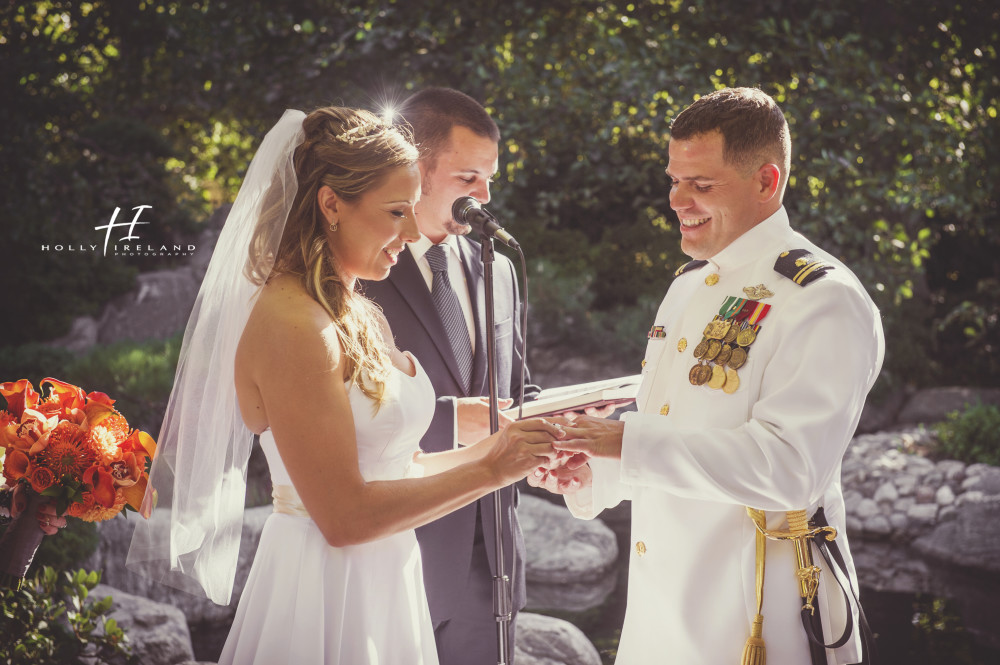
(689, 266)
(801, 266)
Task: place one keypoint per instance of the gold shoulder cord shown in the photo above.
(807, 572)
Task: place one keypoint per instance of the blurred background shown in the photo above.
(892, 106)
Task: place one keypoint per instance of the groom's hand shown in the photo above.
(594, 437)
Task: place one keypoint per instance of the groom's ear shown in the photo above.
(329, 203)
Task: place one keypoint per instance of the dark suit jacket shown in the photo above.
(446, 544)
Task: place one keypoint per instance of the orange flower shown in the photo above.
(105, 438)
(135, 495)
(31, 434)
(65, 395)
(16, 465)
(42, 478)
(102, 485)
(125, 471)
(66, 453)
(99, 398)
(89, 510)
(139, 442)
(19, 395)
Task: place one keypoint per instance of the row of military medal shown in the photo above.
(726, 344)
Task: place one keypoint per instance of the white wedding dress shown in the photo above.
(308, 603)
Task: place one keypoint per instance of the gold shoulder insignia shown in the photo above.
(689, 266)
(801, 266)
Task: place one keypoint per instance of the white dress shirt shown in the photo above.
(456, 274)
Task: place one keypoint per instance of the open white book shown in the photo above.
(620, 391)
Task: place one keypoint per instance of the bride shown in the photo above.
(281, 345)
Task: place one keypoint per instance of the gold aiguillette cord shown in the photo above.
(754, 652)
(806, 572)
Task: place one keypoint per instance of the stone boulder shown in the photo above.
(933, 405)
(570, 562)
(159, 304)
(157, 308)
(971, 538)
(545, 640)
(157, 632)
(115, 537)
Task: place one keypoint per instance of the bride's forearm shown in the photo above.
(434, 463)
(383, 508)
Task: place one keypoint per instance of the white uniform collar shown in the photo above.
(749, 246)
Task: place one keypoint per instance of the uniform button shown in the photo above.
(712, 279)
(682, 344)
(665, 409)
(640, 548)
(643, 364)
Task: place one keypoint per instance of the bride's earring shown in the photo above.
(334, 225)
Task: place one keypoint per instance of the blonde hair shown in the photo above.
(350, 151)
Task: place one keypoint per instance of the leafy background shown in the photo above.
(892, 105)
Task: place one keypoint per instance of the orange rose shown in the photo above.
(102, 484)
(42, 478)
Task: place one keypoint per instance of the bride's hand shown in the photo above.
(522, 446)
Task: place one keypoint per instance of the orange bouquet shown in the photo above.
(71, 449)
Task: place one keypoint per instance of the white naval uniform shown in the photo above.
(775, 444)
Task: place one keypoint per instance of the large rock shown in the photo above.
(157, 632)
(971, 538)
(116, 535)
(882, 416)
(157, 308)
(545, 640)
(570, 563)
(934, 404)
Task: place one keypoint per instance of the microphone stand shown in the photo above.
(501, 583)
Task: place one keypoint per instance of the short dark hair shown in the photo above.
(754, 130)
(432, 112)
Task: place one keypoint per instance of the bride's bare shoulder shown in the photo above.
(286, 314)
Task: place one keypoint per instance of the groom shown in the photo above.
(434, 301)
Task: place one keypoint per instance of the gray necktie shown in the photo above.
(450, 311)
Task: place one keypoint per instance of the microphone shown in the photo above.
(468, 210)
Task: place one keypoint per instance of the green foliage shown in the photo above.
(939, 635)
(563, 314)
(34, 362)
(52, 620)
(971, 436)
(138, 375)
(893, 110)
